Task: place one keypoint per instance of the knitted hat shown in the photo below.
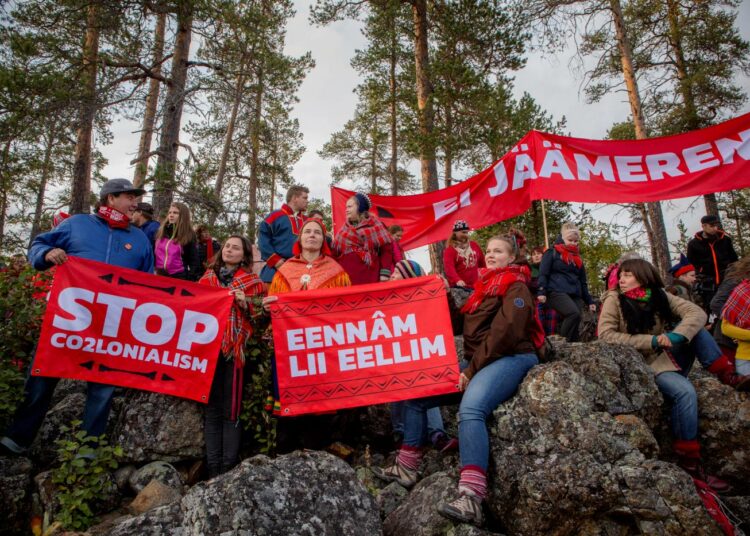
(363, 202)
(681, 267)
(409, 269)
(569, 230)
(297, 247)
(460, 225)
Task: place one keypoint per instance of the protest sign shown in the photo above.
(547, 166)
(118, 326)
(362, 345)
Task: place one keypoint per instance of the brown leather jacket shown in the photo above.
(502, 325)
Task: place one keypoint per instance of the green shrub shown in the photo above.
(83, 477)
(11, 392)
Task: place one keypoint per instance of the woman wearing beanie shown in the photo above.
(462, 258)
(667, 331)
(562, 281)
(500, 330)
(363, 246)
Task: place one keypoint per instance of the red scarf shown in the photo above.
(364, 239)
(569, 254)
(209, 250)
(495, 282)
(238, 329)
(114, 218)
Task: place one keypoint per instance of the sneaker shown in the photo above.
(466, 509)
(396, 473)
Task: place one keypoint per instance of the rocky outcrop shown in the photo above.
(418, 515)
(153, 495)
(152, 427)
(299, 493)
(563, 459)
(15, 494)
(160, 471)
(725, 431)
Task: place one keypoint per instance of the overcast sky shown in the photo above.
(327, 102)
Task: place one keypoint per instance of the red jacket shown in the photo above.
(456, 269)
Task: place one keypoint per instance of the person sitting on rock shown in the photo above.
(738, 272)
(684, 279)
(407, 269)
(562, 281)
(232, 269)
(669, 332)
(500, 330)
(462, 258)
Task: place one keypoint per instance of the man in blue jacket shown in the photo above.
(109, 237)
(278, 231)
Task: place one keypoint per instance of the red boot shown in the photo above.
(689, 458)
(724, 370)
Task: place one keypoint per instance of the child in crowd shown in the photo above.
(500, 328)
(684, 279)
(668, 331)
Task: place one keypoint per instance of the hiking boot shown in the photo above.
(724, 370)
(694, 467)
(396, 473)
(466, 509)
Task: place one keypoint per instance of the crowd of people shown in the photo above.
(514, 297)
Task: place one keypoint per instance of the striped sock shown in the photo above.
(473, 481)
(409, 457)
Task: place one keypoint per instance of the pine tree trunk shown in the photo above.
(448, 164)
(660, 244)
(393, 119)
(36, 224)
(685, 87)
(4, 187)
(81, 186)
(152, 102)
(164, 175)
(228, 136)
(252, 207)
(426, 116)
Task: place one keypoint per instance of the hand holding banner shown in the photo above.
(362, 345)
(117, 326)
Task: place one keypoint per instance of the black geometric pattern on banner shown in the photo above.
(349, 388)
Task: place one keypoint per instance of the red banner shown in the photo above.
(122, 327)
(369, 344)
(547, 166)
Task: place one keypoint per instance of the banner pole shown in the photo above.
(544, 223)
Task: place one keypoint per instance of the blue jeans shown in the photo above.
(38, 392)
(678, 390)
(434, 419)
(488, 388)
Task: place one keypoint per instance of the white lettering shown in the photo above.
(554, 162)
(295, 340)
(524, 170)
(727, 148)
(628, 168)
(501, 178)
(602, 167)
(68, 302)
(663, 164)
(197, 328)
(138, 323)
(115, 305)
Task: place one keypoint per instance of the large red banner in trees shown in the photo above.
(547, 166)
(123, 327)
(369, 344)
